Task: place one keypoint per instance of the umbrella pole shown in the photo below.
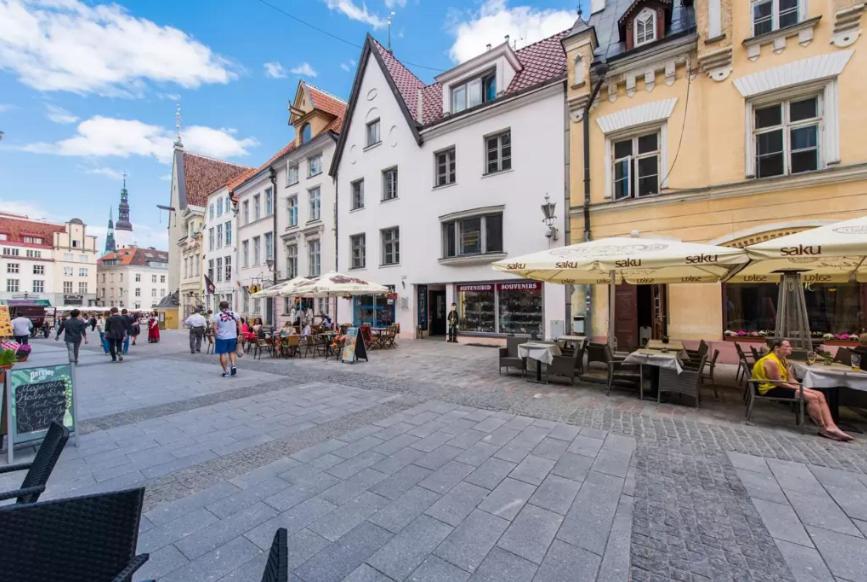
(612, 339)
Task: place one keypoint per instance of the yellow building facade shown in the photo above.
(718, 121)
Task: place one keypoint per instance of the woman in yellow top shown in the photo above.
(778, 381)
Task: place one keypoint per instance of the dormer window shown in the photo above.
(306, 133)
(644, 27)
(482, 89)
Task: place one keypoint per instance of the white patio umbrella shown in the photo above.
(283, 289)
(834, 253)
(336, 284)
(634, 260)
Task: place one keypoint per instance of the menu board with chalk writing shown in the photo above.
(38, 396)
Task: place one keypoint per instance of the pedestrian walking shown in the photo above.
(129, 320)
(100, 329)
(22, 327)
(154, 328)
(452, 320)
(197, 324)
(116, 327)
(134, 327)
(92, 322)
(74, 330)
(225, 323)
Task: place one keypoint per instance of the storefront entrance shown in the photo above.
(640, 314)
(438, 311)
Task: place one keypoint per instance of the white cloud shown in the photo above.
(66, 45)
(166, 177)
(107, 136)
(355, 12)
(4, 107)
(395, 4)
(304, 69)
(59, 114)
(348, 65)
(105, 171)
(274, 70)
(143, 235)
(26, 208)
(495, 19)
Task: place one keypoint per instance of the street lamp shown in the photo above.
(550, 218)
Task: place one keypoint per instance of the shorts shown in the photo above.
(780, 392)
(225, 346)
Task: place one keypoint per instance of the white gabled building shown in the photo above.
(435, 182)
(132, 277)
(220, 248)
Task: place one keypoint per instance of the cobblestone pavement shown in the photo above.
(425, 464)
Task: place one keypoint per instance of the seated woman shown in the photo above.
(287, 330)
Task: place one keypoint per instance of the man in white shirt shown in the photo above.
(225, 323)
(21, 328)
(197, 324)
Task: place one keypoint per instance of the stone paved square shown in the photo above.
(397, 469)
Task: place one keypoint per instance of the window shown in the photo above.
(138, 291)
(12, 285)
(356, 245)
(498, 150)
(269, 246)
(390, 246)
(219, 237)
(291, 175)
(257, 207)
(358, 194)
(482, 89)
(153, 278)
(306, 133)
(373, 132)
(12, 267)
(444, 167)
(636, 166)
(67, 272)
(211, 211)
(162, 278)
(474, 235)
(787, 137)
(10, 252)
(82, 271)
(246, 207)
(245, 253)
(293, 210)
(40, 270)
(644, 27)
(211, 269)
(314, 204)
(227, 228)
(218, 270)
(389, 184)
(313, 258)
(291, 261)
(67, 287)
(153, 291)
(33, 254)
(38, 286)
(211, 238)
(314, 166)
(771, 15)
(257, 257)
(34, 240)
(138, 277)
(269, 202)
(227, 262)
(4, 236)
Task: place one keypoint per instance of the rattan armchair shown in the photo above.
(509, 356)
(687, 382)
(79, 539)
(753, 396)
(570, 366)
(695, 356)
(707, 372)
(39, 470)
(622, 374)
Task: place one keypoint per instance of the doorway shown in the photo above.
(640, 314)
(438, 312)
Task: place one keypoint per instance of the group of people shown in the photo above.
(225, 328)
(116, 332)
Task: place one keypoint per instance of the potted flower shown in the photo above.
(7, 355)
(23, 352)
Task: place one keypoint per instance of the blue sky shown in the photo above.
(88, 90)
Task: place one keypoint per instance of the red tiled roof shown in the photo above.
(243, 177)
(16, 227)
(543, 61)
(135, 256)
(204, 175)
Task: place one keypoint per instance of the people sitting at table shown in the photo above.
(308, 330)
(779, 381)
(287, 330)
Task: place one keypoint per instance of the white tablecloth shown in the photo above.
(669, 360)
(541, 352)
(821, 376)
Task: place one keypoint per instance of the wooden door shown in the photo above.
(626, 316)
(660, 311)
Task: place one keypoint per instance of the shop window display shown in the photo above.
(477, 308)
(521, 308)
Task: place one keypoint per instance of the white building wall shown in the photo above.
(135, 287)
(220, 219)
(24, 270)
(538, 154)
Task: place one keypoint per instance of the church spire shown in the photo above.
(110, 245)
(123, 222)
(178, 143)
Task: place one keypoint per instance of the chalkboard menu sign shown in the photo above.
(38, 396)
(353, 347)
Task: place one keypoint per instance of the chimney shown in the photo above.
(488, 46)
(597, 6)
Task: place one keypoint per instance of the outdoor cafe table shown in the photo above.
(542, 352)
(833, 377)
(659, 345)
(650, 357)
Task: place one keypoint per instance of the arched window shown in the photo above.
(306, 133)
(644, 26)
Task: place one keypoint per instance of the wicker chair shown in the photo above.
(569, 366)
(597, 353)
(39, 470)
(753, 396)
(707, 372)
(622, 374)
(79, 539)
(277, 568)
(687, 382)
(509, 356)
(745, 364)
(695, 356)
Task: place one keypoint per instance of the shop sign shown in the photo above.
(476, 287)
(422, 307)
(520, 286)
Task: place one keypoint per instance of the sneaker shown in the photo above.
(234, 371)
(225, 374)
(120, 358)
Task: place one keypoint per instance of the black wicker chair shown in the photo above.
(80, 539)
(277, 568)
(687, 382)
(571, 366)
(753, 396)
(708, 371)
(621, 374)
(39, 470)
(695, 356)
(509, 356)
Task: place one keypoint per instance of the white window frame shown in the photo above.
(625, 133)
(829, 127)
(500, 158)
(292, 260)
(372, 133)
(292, 211)
(257, 251)
(389, 193)
(315, 203)
(38, 286)
(291, 173)
(455, 225)
(384, 243)
(358, 242)
(648, 17)
(786, 126)
(227, 264)
(257, 207)
(227, 229)
(801, 11)
(268, 241)
(269, 201)
(314, 165)
(635, 157)
(314, 260)
(218, 237)
(450, 174)
(356, 202)
(471, 92)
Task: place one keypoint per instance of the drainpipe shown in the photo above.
(601, 70)
(273, 175)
